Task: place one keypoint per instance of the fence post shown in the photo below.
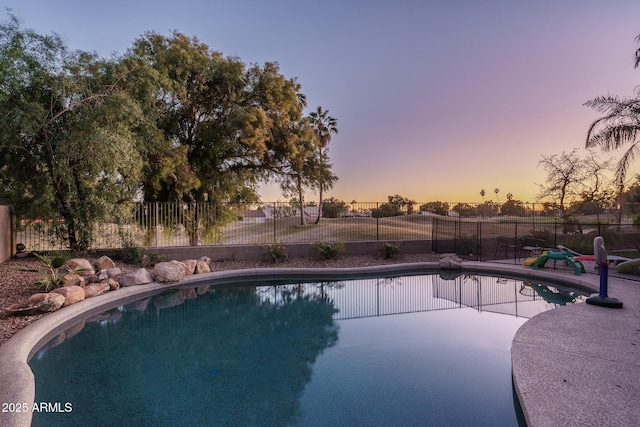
(479, 242)
(155, 223)
(515, 244)
(275, 216)
(434, 234)
(377, 223)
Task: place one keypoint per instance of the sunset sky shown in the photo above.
(435, 100)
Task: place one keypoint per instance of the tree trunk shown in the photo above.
(301, 201)
(321, 185)
(319, 206)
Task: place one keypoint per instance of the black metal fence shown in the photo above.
(471, 230)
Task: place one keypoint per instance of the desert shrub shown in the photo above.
(276, 252)
(150, 258)
(580, 243)
(466, 245)
(131, 253)
(390, 250)
(546, 235)
(328, 250)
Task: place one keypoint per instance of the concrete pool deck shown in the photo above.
(576, 365)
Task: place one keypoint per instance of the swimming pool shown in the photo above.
(404, 350)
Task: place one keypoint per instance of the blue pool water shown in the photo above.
(414, 350)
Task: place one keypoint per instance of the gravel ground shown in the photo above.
(15, 282)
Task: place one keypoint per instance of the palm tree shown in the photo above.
(323, 126)
(497, 190)
(619, 126)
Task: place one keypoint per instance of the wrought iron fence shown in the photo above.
(473, 230)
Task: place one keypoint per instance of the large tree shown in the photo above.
(323, 126)
(204, 108)
(236, 125)
(68, 143)
(573, 178)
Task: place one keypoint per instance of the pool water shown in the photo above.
(414, 350)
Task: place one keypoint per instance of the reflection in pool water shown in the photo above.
(413, 350)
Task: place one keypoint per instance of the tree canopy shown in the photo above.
(170, 120)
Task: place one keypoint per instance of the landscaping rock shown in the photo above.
(113, 271)
(72, 279)
(189, 266)
(172, 271)
(96, 289)
(37, 304)
(113, 283)
(137, 277)
(202, 267)
(206, 260)
(102, 275)
(71, 294)
(104, 262)
(450, 261)
(83, 266)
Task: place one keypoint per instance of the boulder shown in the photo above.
(81, 266)
(206, 260)
(164, 272)
(103, 263)
(102, 275)
(113, 271)
(73, 279)
(202, 267)
(37, 304)
(450, 262)
(71, 294)
(91, 279)
(113, 283)
(137, 277)
(189, 266)
(96, 289)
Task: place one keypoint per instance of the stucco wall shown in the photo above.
(5, 233)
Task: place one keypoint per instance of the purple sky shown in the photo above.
(435, 100)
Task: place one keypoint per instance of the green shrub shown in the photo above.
(150, 258)
(276, 252)
(328, 250)
(580, 243)
(546, 235)
(53, 279)
(390, 250)
(132, 253)
(466, 245)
